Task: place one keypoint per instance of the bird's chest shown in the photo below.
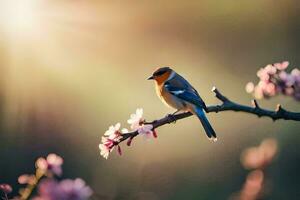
(161, 91)
(167, 98)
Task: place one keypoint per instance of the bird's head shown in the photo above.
(161, 74)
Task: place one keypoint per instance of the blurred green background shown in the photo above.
(70, 69)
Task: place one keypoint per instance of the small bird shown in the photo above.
(178, 93)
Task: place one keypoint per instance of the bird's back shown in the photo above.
(177, 81)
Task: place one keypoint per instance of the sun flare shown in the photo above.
(18, 17)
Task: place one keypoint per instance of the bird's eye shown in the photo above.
(159, 73)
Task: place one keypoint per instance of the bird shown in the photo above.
(176, 92)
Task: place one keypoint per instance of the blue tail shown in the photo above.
(205, 123)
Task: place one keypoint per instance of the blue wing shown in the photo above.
(190, 96)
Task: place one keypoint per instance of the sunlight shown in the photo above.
(18, 17)
(40, 37)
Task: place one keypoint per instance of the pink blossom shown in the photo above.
(106, 147)
(112, 136)
(275, 80)
(27, 179)
(282, 66)
(296, 74)
(146, 130)
(288, 79)
(260, 156)
(270, 69)
(113, 130)
(74, 190)
(263, 74)
(47, 190)
(250, 87)
(253, 185)
(270, 89)
(136, 119)
(51, 164)
(289, 91)
(5, 188)
(65, 190)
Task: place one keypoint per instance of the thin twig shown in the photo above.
(227, 105)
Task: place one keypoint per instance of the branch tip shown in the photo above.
(278, 108)
(213, 89)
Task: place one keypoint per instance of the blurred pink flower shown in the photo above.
(256, 158)
(269, 147)
(5, 188)
(65, 190)
(296, 74)
(136, 119)
(51, 164)
(282, 66)
(27, 179)
(74, 190)
(288, 79)
(263, 74)
(250, 87)
(289, 91)
(253, 185)
(252, 158)
(270, 69)
(275, 80)
(47, 190)
(270, 89)
(259, 157)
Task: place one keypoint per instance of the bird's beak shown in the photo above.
(150, 78)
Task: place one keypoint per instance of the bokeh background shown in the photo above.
(70, 69)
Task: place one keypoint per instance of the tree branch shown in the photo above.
(227, 105)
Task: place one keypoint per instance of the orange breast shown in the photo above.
(167, 98)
